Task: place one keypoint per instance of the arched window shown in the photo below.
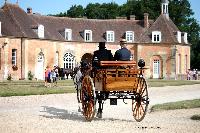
(69, 60)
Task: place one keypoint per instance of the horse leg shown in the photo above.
(99, 113)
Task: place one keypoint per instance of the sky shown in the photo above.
(46, 7)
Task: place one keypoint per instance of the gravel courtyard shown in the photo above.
(58, 114)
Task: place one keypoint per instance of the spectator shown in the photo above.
(197, 75)
(46, 76)
(188, 74)
(194, 74)
(54, 77)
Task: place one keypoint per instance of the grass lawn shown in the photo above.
(22, 88)
(26, 87)
(161, 82)
(187, 104)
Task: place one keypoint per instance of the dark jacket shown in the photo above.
(122, 54)
(101, 55)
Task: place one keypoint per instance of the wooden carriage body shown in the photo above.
(116, 76)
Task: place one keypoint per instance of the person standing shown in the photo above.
(54, 77)
(46, 76)
(122, 54)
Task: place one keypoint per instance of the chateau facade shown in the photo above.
(30, 42)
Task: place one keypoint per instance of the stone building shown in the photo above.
(30, 42)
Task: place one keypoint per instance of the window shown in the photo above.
(41, 31)
(110, 36)
(88, 35)
(69, 61)
(178, 36)
(156, 36)
(165, 9)
(129, 36)
(68, 34)
(185, 38)
(14, 57)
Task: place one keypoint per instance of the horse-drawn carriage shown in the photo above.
(112, 80)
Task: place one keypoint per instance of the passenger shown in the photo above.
(101, 55)
(122, 54)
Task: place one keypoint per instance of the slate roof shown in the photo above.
(167, 28)
(16, 22)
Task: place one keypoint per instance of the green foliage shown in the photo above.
(187, 104)
(195, 117)
(30, 75)
(138, 8)
(32, 87)
(76, 11)
(163, 82)
(104, 11)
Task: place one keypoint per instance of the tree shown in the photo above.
(76, 11)
(182, 15)
(102, 11)
(138, 8)
(59, 15)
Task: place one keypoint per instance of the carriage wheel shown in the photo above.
(141, 101)
(88, 98)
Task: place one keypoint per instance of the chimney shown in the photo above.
(29, 10)
(146, 20)
(132, 17)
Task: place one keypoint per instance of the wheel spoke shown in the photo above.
(140, 101)
(88, 98)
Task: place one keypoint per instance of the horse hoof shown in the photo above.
(99, 115)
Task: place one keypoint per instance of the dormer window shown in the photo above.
(68, 34)
(129, 36)
(110, 36)
(40, 31)
(88, 35)
(178, 36)
(156, 36)
(185, 38)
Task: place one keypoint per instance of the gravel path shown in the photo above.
(58, 113)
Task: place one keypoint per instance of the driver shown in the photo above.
(101, 55)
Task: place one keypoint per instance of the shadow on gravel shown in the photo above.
(61, 114)
(55, 113)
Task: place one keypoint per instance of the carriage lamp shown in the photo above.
(96, 62)
(141, 63)
(95, 59)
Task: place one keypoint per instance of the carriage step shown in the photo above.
(113, 101)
